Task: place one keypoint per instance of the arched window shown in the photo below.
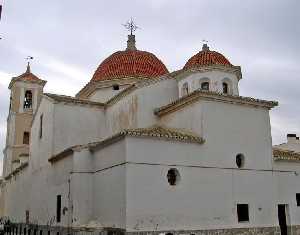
(26, 137)
(205, 86)
(185, 89)
(28, 100)
(225, 88)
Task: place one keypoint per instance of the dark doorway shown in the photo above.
(282, 219)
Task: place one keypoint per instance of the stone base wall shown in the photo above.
(29, 229)
(233, 231)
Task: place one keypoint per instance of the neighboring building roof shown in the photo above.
(69, 99)
(130, 63)
(207, 57)
(27, 77)
(156, 131)
(285, 155)
(214, 96)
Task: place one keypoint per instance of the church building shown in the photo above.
(142, 150)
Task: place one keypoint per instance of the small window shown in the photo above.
(205, 86)
(116, 87)
(10, 101)
(26, 138)
(173, 176)
(225, 88)
(240, 160)
(243, 212)
(41, 232)
(27, 216)
(185, 89)
(28, 100)
(41, 126)
(24, 232)
(298, 199)
(58, 208)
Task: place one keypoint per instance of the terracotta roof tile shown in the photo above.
(207, 57)
(285, 155)
(130, 63)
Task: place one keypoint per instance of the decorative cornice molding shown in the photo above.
(20, 78)
(156, 131)
(285, 155)
(16, 171)
(72, 100)
(183, 73)
(212, 96)
(92, 86)
(134, 87)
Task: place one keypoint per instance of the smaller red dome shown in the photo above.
(207, 57)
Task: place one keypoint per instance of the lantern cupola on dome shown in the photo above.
(211, 71)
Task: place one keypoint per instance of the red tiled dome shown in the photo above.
(207, 57)
(130, 63)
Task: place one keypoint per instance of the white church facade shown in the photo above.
(141, 150)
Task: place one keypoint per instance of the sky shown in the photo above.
(68, 40)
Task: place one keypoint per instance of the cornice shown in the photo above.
(156, 131)
(183, 73)
(212, 96)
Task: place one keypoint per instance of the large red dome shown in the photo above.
(207, 57)
(130, 63)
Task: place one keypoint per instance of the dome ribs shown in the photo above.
(130, 63)
(205, 58)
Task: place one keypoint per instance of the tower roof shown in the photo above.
(28, 76)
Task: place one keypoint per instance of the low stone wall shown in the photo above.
(30, 229)
(33, 229)
(233, 231)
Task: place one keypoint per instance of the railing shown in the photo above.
(33, 229)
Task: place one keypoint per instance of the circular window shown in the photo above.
(116, 87)
(173, 176)
(240, 160)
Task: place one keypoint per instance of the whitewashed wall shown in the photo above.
(74, 125)
(106, 93)
(215, 78)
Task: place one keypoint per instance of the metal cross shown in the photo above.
(28, 58)
(131, 26)
(204, 41)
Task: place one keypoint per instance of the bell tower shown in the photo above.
(25, 94)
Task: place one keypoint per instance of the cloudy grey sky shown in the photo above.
(69, 38)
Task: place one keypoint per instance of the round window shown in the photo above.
(116, 87)
(240, 160)
(173, 176)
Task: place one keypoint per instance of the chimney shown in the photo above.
(292, 138)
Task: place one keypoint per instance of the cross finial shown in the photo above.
(131, 26)
(28, 58)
